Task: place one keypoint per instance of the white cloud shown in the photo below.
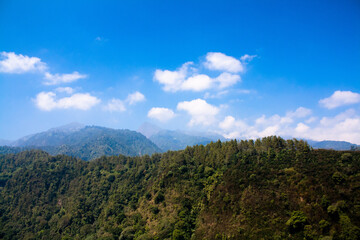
(226, 79)
(185, 80)
(301, 128)
(172, 80)
(230, 123)
(115, 105)
(222, 62)
(53, 79)
(301, 112)
(197, 83)
(340, 98)
(13, 63)
(135, 98)
(161, 114)
(342, 127)
(247, 57)
(47, 101)
(67, 90)
(264, 126)
(200, 111)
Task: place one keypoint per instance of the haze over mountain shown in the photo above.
(175, 140)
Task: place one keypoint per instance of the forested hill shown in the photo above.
(87, 143)
(263, 189)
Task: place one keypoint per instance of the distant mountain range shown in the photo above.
(175, 140)
(90, 142)
(335, 145)
(86, 142)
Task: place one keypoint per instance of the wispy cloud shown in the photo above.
(54, 79)
(67, 90)
(115, 105)
(18, 63)
(247, 57)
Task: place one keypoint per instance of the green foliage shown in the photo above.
(297, 221)
(264, 189)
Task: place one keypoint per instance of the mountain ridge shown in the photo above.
(88, 142)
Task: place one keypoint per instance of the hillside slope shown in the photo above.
(89, 142)
(264, 189)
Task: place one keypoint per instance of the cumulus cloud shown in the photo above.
(197, 83)
(188, 78)
(115, 105)
(47, 101)
(172, 80)
(13, 63)
(222, 62)
(161, 114)
(135, 98)
(53, 79)
(340, 98)
(200, 111)
(264, 126)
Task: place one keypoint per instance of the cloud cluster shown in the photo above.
(262, 126)
(48, 101)
(13, 63)
(20, 64)
(189, 78)
(344, 126)
(340, 98)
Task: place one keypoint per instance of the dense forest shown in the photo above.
(270, 188)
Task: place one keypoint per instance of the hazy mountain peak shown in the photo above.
(71, 127)
(148, 129)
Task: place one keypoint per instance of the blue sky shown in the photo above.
(243, 69)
